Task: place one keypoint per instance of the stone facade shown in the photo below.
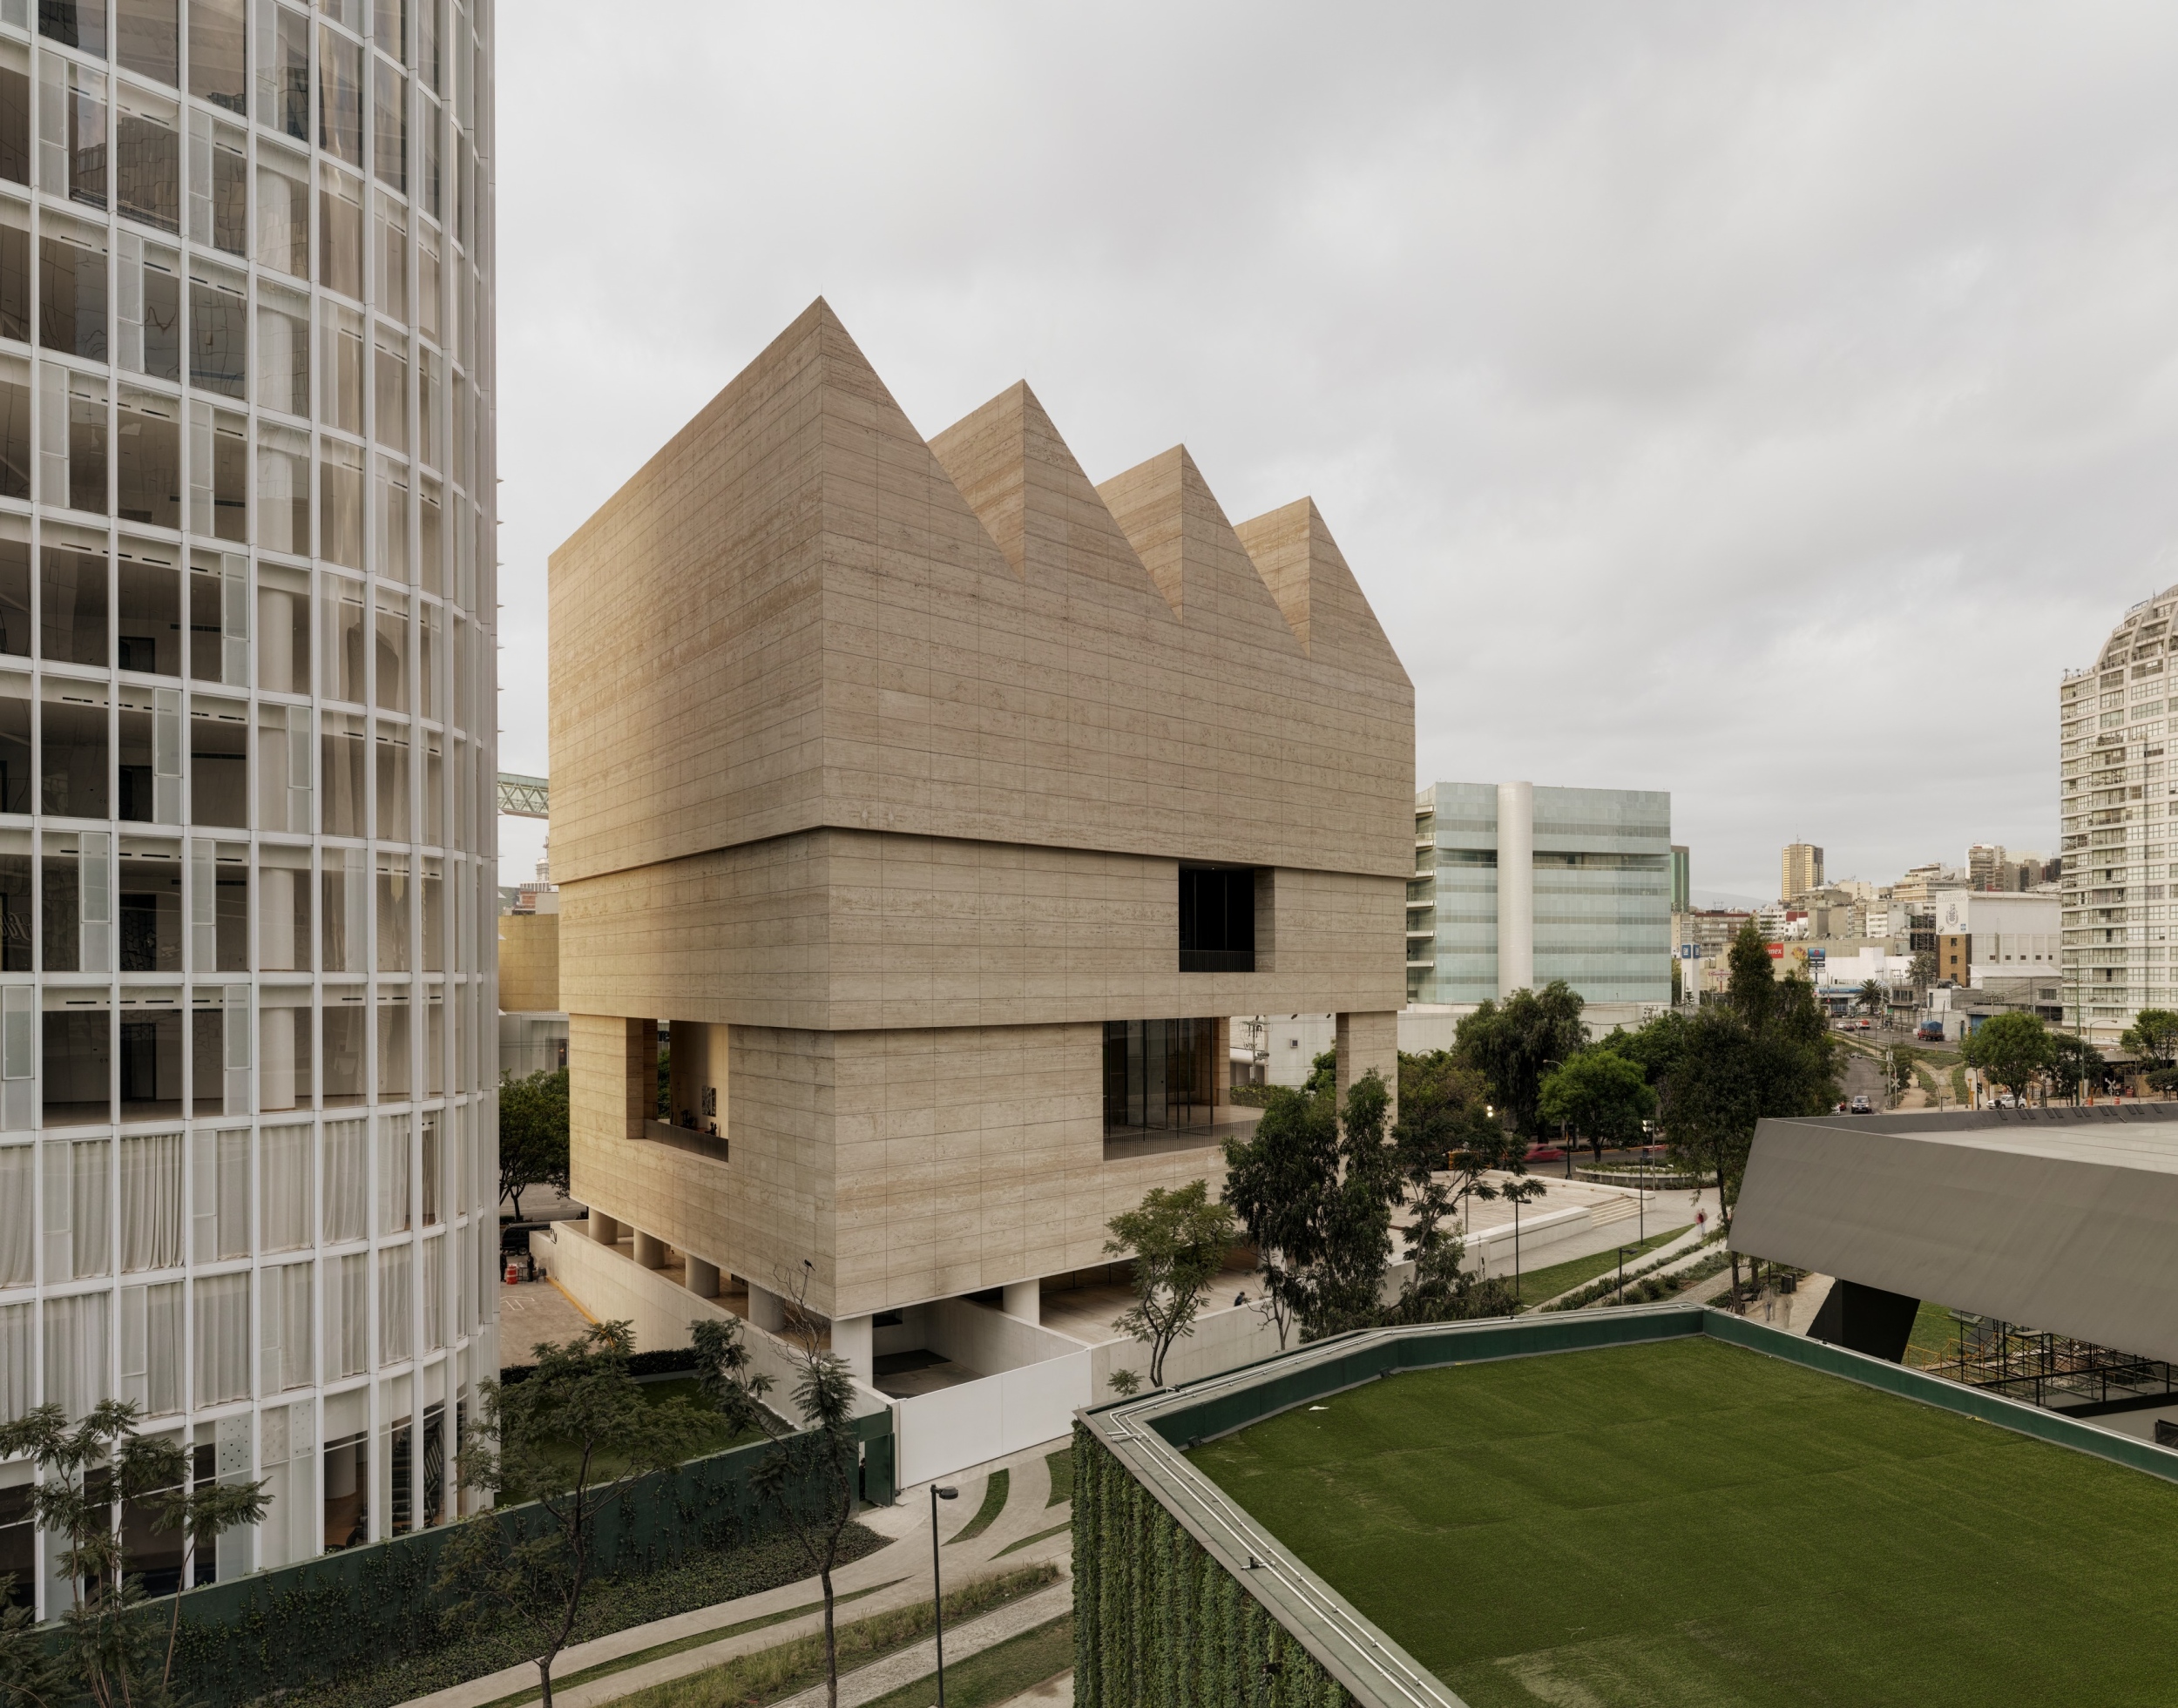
(876, 765)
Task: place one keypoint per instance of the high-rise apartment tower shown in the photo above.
(1800, 871)
(246, 751)
(2113, 799)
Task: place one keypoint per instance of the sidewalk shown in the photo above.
(882, 1678)
(897, 1575)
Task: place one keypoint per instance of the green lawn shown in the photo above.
(997, 1674)
(1693, 1524)
(1537, 1284)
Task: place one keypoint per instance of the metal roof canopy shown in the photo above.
(2066, 1219)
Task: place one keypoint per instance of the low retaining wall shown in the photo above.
(1654, 1183)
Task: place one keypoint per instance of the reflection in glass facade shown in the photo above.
(248, 1150)
(1597, 906)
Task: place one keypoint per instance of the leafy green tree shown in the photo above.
(1600, 1096)
(31, 1675)
(810, 1477)
(1176, 1240)
(2012, 1048)
(1872, 997)
(1765, 1051)
(575, 1437)
(1276, 1182)
(1322, 1074)
(2153, 1036)
(2074, 1065)
(1512, 1044)
(1445, 1125)
(532, 1135)
(1921, 970)
(87, 1476)
(1656, 1045)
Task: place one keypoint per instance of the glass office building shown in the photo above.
(1515, 886)
(248, 1168)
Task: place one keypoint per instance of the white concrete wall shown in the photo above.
(1516, 887)
(987, 1340)
(612, 1288)
(956, 1428)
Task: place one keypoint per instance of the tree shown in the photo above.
(2074, 1065)
(1322, 1073)
(1176, 1238)
(1601, 1097)
(90, 1478)
(1446, 1124)
(1513, 1043)
(532, 1135)
(575, 1437)
(1656, 1045)
(1275, 1180)
(1871, 997)
(2012, 1048)
(810, 1477)
(2153, 1036)
(1921, 972)
(1764, 1051)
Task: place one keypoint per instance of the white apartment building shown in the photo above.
(246, 749)
(2113, 807)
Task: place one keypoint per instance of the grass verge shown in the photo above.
(997, 1674)
(1537, 1284)
(1062, 1469)
(1030, 1541)
(612, 1604)
(768, 1674)
(995, 1490)
(681, 1645)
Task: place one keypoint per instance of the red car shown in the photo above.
(1546, 1153)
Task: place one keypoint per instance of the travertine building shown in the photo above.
(940, 800)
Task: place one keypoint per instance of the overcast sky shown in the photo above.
(1765, 404)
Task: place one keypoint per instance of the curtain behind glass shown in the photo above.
(18, 1248)
(150, 1347)
(78, 1342)
(435, 1292)
(150, 1202)
(16, 1337)
(284, 1185)
(345, 1198)
(221, 1194)
(394, 1286)
(222, 1310)
(352, 1347)
(393, 1173)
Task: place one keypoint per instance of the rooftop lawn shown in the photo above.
(1690, 1523)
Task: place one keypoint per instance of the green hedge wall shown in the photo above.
(1158, 1621)
(273, 1631)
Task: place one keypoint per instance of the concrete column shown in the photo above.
(701, 1278)
(603, 1228)
(1024, 1299)
(1366, 1041)
(275, 918)
(650, 1250)
(1516, 887)
(854, 1339)
(276, 1058)
(766, 1308)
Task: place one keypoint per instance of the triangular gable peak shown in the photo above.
(1174, 521)
(1308, 575)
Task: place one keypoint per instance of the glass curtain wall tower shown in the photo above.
(247, 1139)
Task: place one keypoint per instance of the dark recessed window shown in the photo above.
(1158, 1075)
(1217, 919)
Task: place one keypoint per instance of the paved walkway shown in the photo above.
(882, 1678)
(1681, 1251)
(897, 1575)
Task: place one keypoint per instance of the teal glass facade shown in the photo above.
(1601, 894)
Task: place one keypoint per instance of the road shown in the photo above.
(1863, 1077)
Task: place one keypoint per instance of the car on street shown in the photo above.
(1861, 1105)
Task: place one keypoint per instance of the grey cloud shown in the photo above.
(1763, 402)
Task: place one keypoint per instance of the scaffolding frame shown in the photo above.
(2052, 1371)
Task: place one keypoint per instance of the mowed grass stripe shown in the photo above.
(1694, 1523)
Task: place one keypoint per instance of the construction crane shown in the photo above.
(524, 797)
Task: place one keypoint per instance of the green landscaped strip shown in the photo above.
(680, 1645)
(1689, 1522)
(1537, 1285)
(765, 1675)
(994, 1503)
(997, 1674)
(1062, 1470)
(1030, 1542)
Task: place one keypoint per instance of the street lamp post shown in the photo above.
(937, 1592)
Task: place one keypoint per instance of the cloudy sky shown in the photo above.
(1764, 403)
